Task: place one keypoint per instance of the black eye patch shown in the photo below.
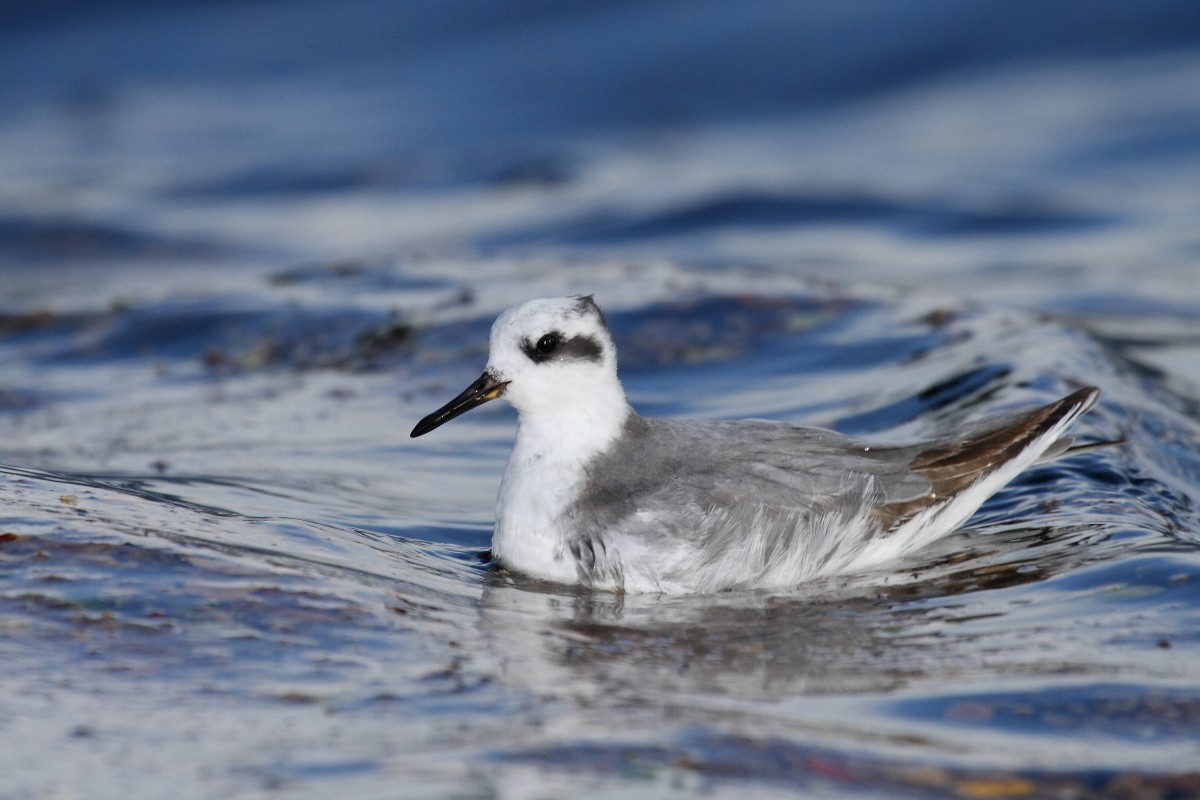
(576, 348)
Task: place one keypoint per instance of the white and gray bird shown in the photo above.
(596, 495)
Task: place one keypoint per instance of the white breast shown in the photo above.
(533, 493)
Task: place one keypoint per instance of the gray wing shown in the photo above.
(718, 499)
(697, 467)
(707, 465)
(709, 476)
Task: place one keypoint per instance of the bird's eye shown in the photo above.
(547, 343)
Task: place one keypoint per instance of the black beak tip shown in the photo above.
(484, 389)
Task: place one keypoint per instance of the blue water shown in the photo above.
(244, 246)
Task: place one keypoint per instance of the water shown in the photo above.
(245, 246)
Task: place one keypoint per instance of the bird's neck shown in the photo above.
(547, 466)
(566, 435)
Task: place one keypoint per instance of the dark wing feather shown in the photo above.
(953, 465)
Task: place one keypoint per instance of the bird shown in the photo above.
(596, 495)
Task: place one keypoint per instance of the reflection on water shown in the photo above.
(911, 629)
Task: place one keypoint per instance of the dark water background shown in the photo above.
(245, 245)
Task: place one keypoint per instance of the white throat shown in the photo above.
(572, 430)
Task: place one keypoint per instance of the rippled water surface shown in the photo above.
(244, 247)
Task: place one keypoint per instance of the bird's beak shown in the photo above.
(478, 393)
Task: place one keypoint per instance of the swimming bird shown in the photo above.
(596, 495)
